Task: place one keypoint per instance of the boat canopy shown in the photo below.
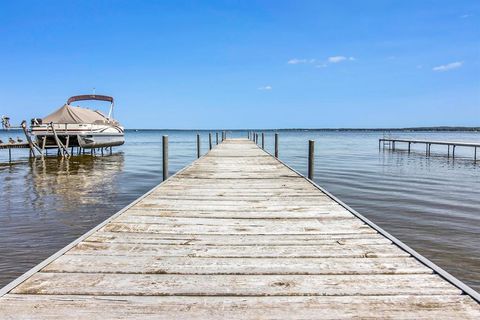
(76, 115)
(89, 97)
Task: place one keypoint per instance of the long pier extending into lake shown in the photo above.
(237, 234)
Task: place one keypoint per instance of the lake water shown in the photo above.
(430, 203)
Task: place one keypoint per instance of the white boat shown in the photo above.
(71, 126)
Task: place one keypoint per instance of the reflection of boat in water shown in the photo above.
(76, 181)
(72, 126)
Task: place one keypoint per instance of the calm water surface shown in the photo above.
(432, 204)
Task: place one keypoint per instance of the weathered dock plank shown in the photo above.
(235, 235)
(319, 251)
(212, 308)
(232, 285)
(242, 239)
(188, 265)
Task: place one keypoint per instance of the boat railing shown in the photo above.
(64, 127)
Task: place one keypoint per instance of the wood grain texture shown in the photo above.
(34, 307)
(233, 285)
(236, 235)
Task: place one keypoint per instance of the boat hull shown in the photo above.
(100, 140)
(79, 135)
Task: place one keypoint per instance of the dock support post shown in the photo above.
(165, 157)
(210, 140)
(9, 155)
(453, 152)
(216, 134)
(379, 142)
(448, 152)
(311, 151)
(475, 155)
(426, 149)
(263, 140)
(198, 145)
(409, 145)
(276, 145)
(248, 135)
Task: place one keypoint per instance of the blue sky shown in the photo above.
(246, 64)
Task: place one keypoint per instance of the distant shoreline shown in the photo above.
(413, 129)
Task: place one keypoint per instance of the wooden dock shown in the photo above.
(237, 234)
(391, 143)
(10, 146)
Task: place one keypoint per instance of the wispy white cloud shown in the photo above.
(319, 63)
(449, 66)
(299, 61)
(464, 16)
(265, 88)
(337, 59)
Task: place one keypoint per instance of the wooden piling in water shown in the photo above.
(263, 140)
(165, 157)
(210, 141)
(198, 145)
(311, 158)
(276, 145)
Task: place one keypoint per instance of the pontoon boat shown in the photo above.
(72, 126)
